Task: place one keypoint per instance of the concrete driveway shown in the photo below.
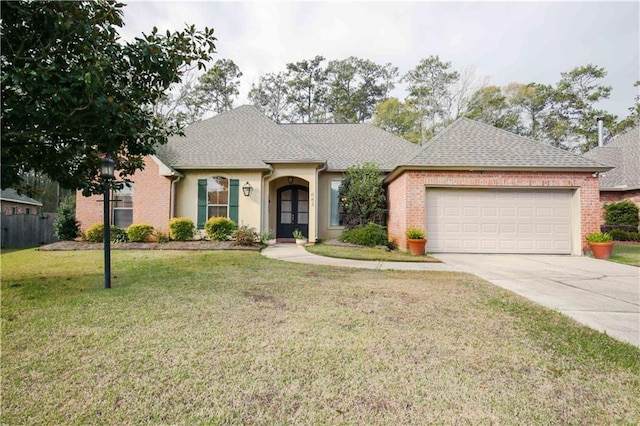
(600, 294)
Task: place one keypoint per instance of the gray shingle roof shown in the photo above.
(245, 138)
(469, 144)
(240, 138)
(622, 153)
(344, 145)
(10, 194)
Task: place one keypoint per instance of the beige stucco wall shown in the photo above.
(303, 175)
(186, 202)
(325, 230)
(260, 209)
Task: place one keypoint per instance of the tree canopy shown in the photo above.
(73, 91)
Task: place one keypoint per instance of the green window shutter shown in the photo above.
(202, 203)
(234, 187)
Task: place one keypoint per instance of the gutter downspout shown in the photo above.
(315, 207)
(172, 203)
(263, 204)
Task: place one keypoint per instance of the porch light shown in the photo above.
(246, 189)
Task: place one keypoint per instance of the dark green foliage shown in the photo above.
(181, 229)
(74, 90)
(139, 233)
(620, 235)
(118, 235)
(66, 227)
(245, 236)
(219, 228)
(95, 233)
(363, 195)
(370, 235)
(621, 213)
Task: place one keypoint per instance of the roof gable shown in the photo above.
(469, 144)
(623, 154)
(239, 138)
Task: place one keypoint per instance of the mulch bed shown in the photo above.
(171, 245)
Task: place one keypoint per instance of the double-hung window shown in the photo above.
(337, 207)
(123, 206)
(217, 197)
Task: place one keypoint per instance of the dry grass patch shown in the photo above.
(235, 338)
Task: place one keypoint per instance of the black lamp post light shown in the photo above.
(107, 172)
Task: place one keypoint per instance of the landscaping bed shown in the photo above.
(171, 245)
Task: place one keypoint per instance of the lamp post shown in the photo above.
(107, 169)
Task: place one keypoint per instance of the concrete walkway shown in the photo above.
(599, 294)
(293, 253)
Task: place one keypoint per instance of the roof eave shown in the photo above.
(13, 200)
(400, 169)
(620, 188)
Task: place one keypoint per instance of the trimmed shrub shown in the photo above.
(66, 227)
(619, 235)
(181, 229)
(219, 228)
(139, 233)
(370, 235)
(95, 233)
(621, 213)
(245, 236)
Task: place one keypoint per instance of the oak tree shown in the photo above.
(73, 91)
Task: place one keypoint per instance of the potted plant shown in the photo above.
(301, 240)
(268, 238)
(416, 240)
(601, 244)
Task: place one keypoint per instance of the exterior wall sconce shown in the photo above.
(246, 189)
(107, 172)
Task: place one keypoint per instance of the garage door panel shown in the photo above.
(499, 220)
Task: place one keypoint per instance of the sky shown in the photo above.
(503, 42)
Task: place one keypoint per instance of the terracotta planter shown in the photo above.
(601, 250)
(416, 247)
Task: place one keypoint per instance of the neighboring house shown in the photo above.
(622, 183)
(473, 188)
(14, 203)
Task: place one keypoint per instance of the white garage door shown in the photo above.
(498, 221)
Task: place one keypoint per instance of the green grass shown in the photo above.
(235, 338)
(367, 253)
(626, 253)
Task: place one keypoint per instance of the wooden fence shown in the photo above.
(27, 230)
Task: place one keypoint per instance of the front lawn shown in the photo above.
(626, 253)
(366, 253)
(236, 338)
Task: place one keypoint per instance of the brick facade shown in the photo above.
(406, 194)
(10, 207)
(151, 200)
(608, 197)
